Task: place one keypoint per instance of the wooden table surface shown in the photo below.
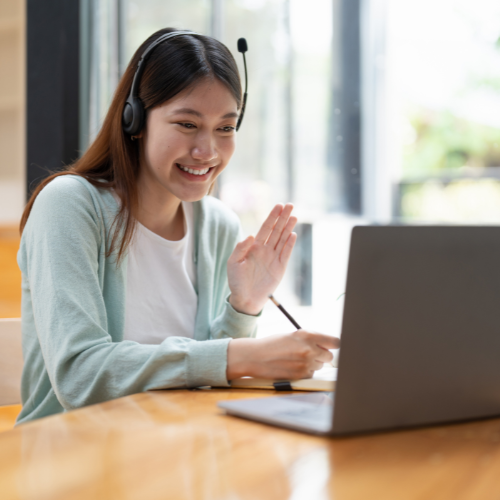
(10, 275)
(178, 445)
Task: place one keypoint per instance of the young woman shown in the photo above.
(133, 278)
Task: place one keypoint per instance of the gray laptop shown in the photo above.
(420, 335)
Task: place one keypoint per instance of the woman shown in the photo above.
(132, 278)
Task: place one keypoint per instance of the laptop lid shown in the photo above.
(421, 328)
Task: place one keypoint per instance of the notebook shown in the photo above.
(323, 380)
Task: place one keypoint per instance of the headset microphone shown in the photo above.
(243, 47)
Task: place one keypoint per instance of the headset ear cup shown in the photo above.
(133, 116)
(128, 116)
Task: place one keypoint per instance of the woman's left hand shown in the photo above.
(258, 264)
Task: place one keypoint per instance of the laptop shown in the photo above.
(420, 336)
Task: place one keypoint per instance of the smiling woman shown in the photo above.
(200, 124)
(133, 278)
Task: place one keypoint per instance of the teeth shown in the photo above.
(192, 171)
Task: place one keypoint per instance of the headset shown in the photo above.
(133, 111)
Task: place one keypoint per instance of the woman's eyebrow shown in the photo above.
(189, 111)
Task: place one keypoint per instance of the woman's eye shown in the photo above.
(191, 126)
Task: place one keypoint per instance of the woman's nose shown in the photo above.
(204, 149)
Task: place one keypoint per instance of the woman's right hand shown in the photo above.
(282, 357)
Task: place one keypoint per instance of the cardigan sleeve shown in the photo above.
(233, 324)
(60, 256)
(229, 323)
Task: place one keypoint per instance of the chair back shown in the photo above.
(11, 361)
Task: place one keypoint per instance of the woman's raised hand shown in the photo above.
(258, 263)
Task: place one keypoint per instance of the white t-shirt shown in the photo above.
(161, 279)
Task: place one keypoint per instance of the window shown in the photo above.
(284, 147)
(444, 88)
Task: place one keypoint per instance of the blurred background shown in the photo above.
(359, 111)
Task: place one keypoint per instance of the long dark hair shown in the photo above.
(112, 160)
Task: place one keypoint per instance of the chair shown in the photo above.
(11, 366)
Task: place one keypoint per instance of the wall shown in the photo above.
(12, 110)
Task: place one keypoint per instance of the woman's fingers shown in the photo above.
(317, 365)
(268, 225)
(324, 356)
(280, 226)
(287, 231)
(287, 249)
(325, 341)
(319, 340)
(241, 249)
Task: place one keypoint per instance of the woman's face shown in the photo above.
(189, 140)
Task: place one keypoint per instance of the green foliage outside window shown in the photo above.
(443, 144)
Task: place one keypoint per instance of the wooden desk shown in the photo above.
(178, 445)
(10, 275)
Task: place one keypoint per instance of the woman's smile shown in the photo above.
(195, 173)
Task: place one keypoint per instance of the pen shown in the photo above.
(284, 385)
(285, 312)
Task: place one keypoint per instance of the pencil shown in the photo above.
(285, 312)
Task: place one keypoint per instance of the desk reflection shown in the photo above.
(149, 446)
(178, 445)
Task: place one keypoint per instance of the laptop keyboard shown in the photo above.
(309, 415)
(312, 411)
(308, 409)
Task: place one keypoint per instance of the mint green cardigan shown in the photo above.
(73, 306)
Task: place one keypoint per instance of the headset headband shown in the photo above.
(140, 65)
(133, 112)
